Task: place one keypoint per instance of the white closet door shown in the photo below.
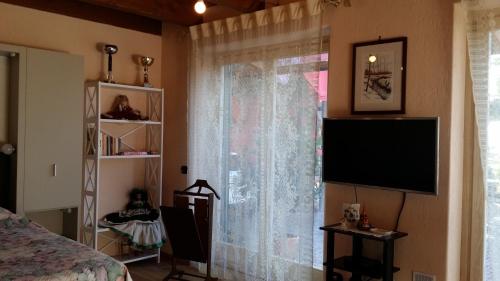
(54, 110)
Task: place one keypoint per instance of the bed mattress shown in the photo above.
(30, 252)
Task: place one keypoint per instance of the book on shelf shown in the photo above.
(131, 153)
(104, 143)
(101, 142)
(109, 145)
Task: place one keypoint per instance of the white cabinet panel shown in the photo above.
(54, 110)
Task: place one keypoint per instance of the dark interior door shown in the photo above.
(4, 180)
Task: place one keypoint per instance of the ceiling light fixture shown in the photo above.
(200, 7)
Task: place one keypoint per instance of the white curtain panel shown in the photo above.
(252, 135)
(483, 25)
(484, 53)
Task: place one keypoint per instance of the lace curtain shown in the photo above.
(253, 116)
(484, 54)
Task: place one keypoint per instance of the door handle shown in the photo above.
(54, 170)
(7, 149)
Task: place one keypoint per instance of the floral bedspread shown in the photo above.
(30, 252)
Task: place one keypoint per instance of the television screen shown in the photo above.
(397, 153)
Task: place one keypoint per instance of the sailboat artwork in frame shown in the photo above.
(379, 76)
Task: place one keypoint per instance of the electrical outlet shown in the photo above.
(419, 276)
(184, 169)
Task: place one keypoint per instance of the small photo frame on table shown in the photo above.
(379, 76)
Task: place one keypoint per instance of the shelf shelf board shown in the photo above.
(141, 122)
(102, 229)
(133, 257)
(368, 267)
(129, 156)
(338, 228)
(128, 87)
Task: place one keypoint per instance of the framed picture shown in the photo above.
(379, 76)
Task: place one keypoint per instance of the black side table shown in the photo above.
(357, 264)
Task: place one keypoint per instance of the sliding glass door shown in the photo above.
(272, 205)
(492, 234)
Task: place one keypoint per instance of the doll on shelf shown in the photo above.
(121, 110)
(138, 208)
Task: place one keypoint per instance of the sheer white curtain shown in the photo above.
(253, 116)
(484, 53)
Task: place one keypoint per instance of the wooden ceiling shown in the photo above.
(142, 15)
(175, 11)
(244, 6)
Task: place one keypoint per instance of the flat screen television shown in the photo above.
(397, 153)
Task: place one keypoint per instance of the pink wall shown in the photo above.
(428, 24)
(175, 49)
(33, 28)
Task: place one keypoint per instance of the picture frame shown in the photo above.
(379, 76)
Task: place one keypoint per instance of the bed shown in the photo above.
(30, 252)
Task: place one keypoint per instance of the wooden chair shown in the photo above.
(189, 227)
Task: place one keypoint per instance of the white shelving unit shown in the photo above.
(128, 156)
(130, 122)
(96, 94)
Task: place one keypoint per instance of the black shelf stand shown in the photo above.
(357, 264)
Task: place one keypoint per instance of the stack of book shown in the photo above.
(109, 145)
(133, 153)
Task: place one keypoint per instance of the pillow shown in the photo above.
(4, 214)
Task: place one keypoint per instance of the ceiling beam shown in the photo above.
(244, 6)
(174, 11)
(77, 9)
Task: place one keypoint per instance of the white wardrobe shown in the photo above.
(46, 127)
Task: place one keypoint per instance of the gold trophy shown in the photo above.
(146, 62)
